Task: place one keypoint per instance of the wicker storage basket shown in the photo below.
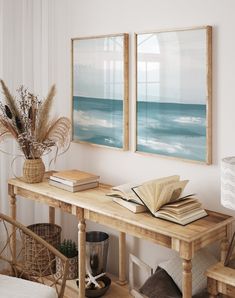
(37, 258)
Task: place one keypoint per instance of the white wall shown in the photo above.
(87, 18)
(75, 18)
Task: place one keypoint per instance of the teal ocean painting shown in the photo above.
(98, 121)
(172, 129)
(173, 94)
(100, 96)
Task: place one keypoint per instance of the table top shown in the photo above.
(95, 200)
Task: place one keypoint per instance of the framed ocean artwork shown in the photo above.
(173, 104)
(100, 90)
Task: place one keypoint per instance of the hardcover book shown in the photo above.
(125, 191)
(74, 188)
(130, 205)
(158, 192)
(163, 198)
(182, 212)
(74, 177)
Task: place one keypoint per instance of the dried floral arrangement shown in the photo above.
(26, 118)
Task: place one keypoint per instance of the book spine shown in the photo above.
(74, 189)
(60, 180)
(60, 185)
(72, 183)
(86, 186)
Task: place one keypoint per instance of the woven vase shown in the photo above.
(33, 170)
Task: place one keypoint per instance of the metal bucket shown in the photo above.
(96, 251)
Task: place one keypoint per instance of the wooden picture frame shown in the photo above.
(133, 260)
(100, 90)
(173, 93)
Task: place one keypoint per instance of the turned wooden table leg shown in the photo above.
(82, 254)
(212, 287)
(187, 278)
(12, 201)
(51, 215)
(122, 259)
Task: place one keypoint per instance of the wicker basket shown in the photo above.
(33, 170)
(37, 258)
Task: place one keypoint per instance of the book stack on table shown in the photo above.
(74, 180)
(162, 197)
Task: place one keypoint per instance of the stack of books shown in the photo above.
(162, 198)
(74, 180)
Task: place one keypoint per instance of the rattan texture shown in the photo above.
(33, 170)
(50, 233)
(14, 258)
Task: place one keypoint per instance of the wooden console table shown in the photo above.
(95, 206)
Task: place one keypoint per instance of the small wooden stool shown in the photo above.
(220, 279)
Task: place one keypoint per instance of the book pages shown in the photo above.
(182, 206)
(170, 193)
(125, 191)
(150, 192)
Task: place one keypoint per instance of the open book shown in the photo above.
(153, 193)
(125, 196)
(183, 211)
(158, 192)
(125, 192)
(163, 198)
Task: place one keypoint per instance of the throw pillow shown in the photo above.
(160, 284)
(201, 261)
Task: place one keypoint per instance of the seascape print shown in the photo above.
(172, 94)
(98, 90)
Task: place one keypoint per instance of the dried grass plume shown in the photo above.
(26, 118)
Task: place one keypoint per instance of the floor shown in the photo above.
(115, 290)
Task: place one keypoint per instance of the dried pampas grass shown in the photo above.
(58, 131)
(10, 100)
(27, 119)
(43, 117)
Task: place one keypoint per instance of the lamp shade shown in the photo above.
(228, 182)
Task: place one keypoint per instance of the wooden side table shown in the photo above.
(220, 280)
